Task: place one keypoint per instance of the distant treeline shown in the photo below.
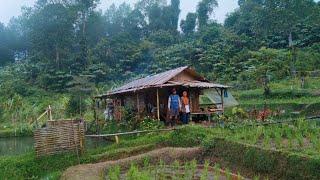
(62, 45)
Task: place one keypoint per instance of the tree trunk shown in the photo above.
(57, 57)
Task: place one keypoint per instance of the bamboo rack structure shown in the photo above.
(60, 136)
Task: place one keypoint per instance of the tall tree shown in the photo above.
(6, 53)
(50, 30)
(271, 18)
(188, 26)
(174, 13)
(85, 8)
(204, 10)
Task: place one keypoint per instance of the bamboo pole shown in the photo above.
(40, 116)
(158, 105)
(50, 112)
(129, 133)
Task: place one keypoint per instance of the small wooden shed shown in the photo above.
(148, 96)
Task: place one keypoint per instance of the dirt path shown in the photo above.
(97, 171)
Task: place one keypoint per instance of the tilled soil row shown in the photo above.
(97, 170)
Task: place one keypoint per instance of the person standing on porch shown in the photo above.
(185, 108)
(174, 107)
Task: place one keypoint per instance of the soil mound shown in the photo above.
(97, 170)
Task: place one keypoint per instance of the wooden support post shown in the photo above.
(158, 105)
(120, 109)
(138, 105)
(95, 114)
(222, 100)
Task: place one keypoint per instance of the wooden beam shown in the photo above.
(217, 91)
(158, 105)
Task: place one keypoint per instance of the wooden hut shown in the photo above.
(149, 96)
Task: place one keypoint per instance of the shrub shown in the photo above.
(188, 136)
(275, 164)
(150, 124)
(76, 105)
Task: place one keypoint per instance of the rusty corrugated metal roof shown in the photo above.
(163, 79)
(149, 81)
(203, 84)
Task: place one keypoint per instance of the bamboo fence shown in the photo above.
(60, 136)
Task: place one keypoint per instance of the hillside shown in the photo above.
(61, 53)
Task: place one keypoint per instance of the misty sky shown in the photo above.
(10, 8)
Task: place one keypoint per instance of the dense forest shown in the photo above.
(60, 50)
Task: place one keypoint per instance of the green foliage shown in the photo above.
(76, 105)
(188, 136)
(204, 10)
(114, 173)
(257, 18)
(188, 26)
(218, 142)
(259, 161)
(265, 161)
(60, 40)
(204, 174)
(188, 171)
(239, 113)
(6, 55)
(150, 124)
(31, 167)
(67, 47)
(217, 171)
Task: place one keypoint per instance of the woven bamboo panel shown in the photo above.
(60, 136)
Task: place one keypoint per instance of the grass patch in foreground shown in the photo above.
(28, 166)
(266, 138)
(267, 162)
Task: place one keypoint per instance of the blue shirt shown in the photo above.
(174, 102)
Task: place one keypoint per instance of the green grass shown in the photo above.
(27, 166)
(187, 170)
(7, 130)
(284, 89)
(300, 137)
(286, 95)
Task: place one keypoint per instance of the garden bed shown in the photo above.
(274, 164)
(186, 170)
